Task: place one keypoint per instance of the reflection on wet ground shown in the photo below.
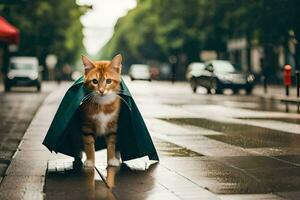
(243, 135)
(217, 177)
(280, 119)
(66, 183)
(245, 102)
(183, 173)
(134, 184)
(252, 173)
(137, 179)
(180, 174)
(170, 149)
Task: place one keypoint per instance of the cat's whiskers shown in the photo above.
(88, 97)
(92, 97)
(124, 101)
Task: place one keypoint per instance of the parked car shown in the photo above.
(23, 71)
(221, 74)
(193, 71)
(140, 72)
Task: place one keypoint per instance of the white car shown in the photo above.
(23, 71)
(194, 69)
(140, 72)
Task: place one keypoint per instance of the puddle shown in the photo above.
(173, 150)
(243, 135)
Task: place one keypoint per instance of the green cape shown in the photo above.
(133, 139)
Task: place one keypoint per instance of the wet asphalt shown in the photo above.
(17, 109)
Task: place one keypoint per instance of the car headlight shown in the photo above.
(250, 78)
(33, 76)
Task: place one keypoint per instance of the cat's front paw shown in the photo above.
(114, 162)
(88, 164)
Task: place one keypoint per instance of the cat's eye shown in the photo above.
(95, 81)
(108, 81)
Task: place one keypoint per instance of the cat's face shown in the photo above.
(102, 77)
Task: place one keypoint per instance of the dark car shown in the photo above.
(221, 74)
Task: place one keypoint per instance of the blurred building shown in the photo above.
(265, 60)
(245, 57)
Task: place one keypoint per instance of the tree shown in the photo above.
(47, 27)
(156, 30)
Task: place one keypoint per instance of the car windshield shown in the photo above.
(222, 66)
(22, 66)
(140, 68)
(197, 67)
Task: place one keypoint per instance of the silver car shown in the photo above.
(140, 72)
(23, 71)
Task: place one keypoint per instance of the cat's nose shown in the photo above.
(101, 90)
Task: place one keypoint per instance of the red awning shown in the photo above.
(8, 33)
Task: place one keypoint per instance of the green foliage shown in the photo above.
(156, 29)
(47, 27)
(153, 31)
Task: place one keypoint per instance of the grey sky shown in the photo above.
(99, 22)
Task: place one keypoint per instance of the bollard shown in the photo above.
(297, 86)
(265, 84)
(297, 82)
(287, 79)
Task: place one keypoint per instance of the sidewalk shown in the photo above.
(275, 92)
(278, 93)
(35, 173)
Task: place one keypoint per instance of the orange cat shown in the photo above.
(101, 109)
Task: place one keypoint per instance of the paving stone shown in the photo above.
(70, 184)
(22, 183)
(33, 145)
(13, 194)
(27, 168)
(251, 197)
(255, 162)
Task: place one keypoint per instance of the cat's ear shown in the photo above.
(116, 63)
(88, 65)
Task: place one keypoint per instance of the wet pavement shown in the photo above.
(243, 135)
(220, 147)
(210, 147)
(16, 111)
(249, 145)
